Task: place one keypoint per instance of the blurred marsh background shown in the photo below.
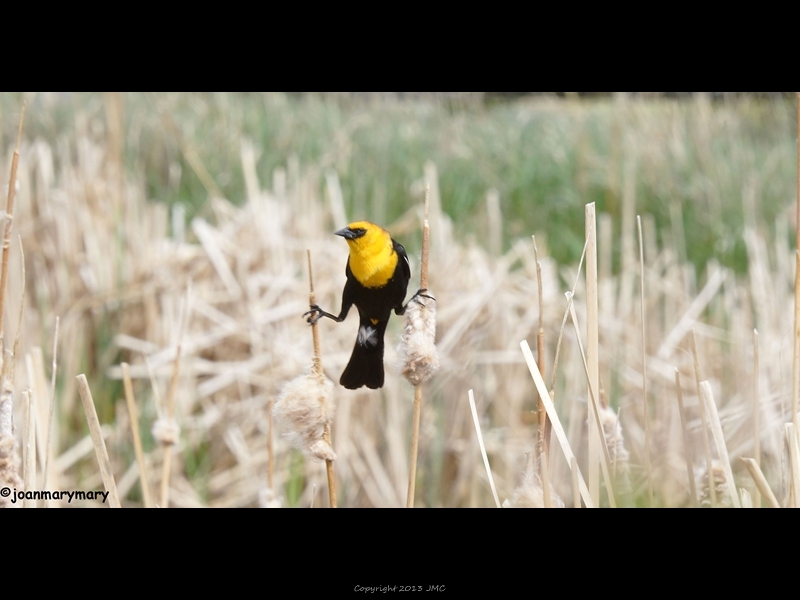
(124, 198)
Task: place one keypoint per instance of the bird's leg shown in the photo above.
(316, 313)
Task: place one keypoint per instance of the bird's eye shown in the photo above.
(360, 231)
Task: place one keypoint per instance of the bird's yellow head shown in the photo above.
(363, 236)
(372, 257)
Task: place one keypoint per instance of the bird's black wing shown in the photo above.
(401, 277)
(402, 260)
(349, 293)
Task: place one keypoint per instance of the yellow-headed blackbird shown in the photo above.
(377, 278)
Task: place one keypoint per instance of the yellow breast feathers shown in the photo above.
(372, 257)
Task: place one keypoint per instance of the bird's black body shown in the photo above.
(374, 306)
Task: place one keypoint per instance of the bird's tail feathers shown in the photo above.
(366, 362)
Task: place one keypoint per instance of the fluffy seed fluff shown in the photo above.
(267, 498)
(720, 487)
(9, 458)
(166, 431)
(418, 342)
(531, 495)
(301, 412)
(619, 455)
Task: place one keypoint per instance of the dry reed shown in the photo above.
(98, 441)
(645, 401)
(761, 482)
(321, 398)
(796, 362)
(687, 445)
(418, 347)
(133, 415)
(482, 445)
(592, 359)
(29, 479)
(560, 435)
(9, 221)
(543, 437)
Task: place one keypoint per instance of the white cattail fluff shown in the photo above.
(720, 487)
(530, 493)
(301, 412)
(166, 431)
(9, 458)
(267, 498)
(619, 455)
(418, 342)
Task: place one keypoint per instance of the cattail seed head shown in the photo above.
(9, 457)
(418, 342)
(720, 487)
(166, 431)
(531, 495)
(302, 410)
(619, 455)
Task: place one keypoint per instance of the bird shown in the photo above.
(377, 273)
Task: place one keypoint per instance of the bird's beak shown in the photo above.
(346, 233)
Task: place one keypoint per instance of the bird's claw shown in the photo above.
(420, 294)
(314, 315)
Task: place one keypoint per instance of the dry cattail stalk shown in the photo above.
(756, 417)
(566, 316)
(323, 398)
(29, 480)
(687, 446)
(543, 440)
(794, 462)
(648, 464)
(133, 415)
(166, 429)
(419, 348)
(719, 440)
(605, 457)
(530, 493)
(9, 220)
(761, 482)
(303, 410)
(592, 345)
(796, 361)
(561, 436)
(483, 447)
(703, 415)
(99, 443)
(50, 423)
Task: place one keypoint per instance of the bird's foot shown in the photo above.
(421, 294)
(313, 315)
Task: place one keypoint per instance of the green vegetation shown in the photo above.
(700, 159)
